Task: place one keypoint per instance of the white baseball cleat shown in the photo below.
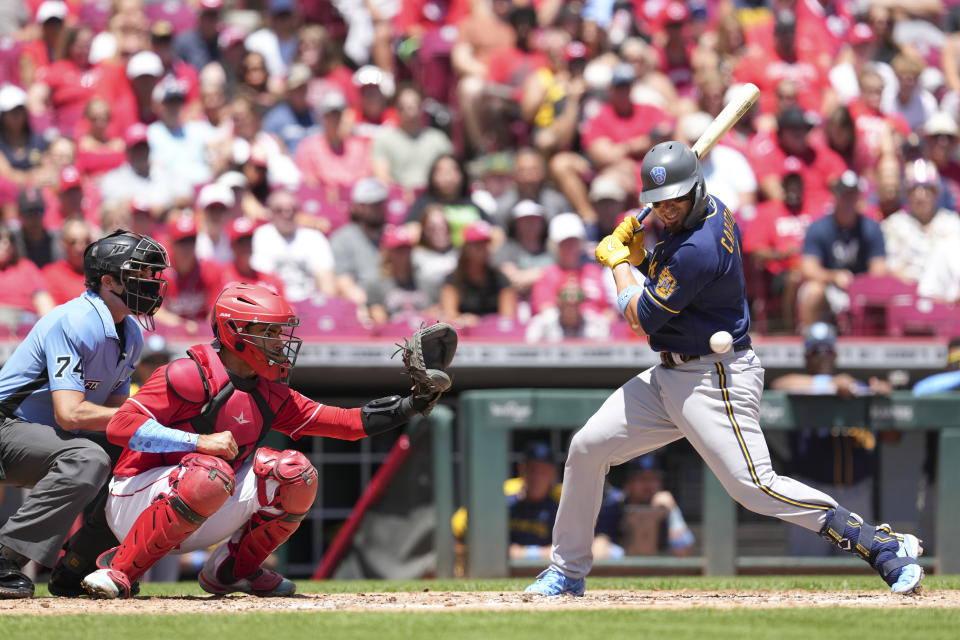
(107, 584)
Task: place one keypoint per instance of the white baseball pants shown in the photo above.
(714, 403)
(130, 496)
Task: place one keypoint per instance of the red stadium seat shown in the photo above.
(872, 298)
(334, 317)
(498, 327)
(923, 318)
(403, 326)
(315, 202)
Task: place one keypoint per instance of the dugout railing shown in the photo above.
(486, 419)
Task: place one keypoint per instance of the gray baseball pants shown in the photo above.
(65, 472)
(714, 403)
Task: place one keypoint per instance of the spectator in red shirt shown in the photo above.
(375, 112)
(766, 68)
(21, 286)
(615, 139)
(567, 236)
(821, 165)
(134, 100)
(64, 277)
(676, 53)
(75, 197)
(418, 17)
(485, 31)
(877, 133)
(319, 51)
(97, 150)
(192, 284)
(240, 231)
(68, 84)
(508, 69)
(41, 52)
(329, 158)
(773, 242)
(161, 41)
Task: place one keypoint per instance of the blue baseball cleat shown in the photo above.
(910, 572)
(551, 582)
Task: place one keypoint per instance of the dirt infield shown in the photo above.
(482, 600)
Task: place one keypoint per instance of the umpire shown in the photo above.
(58, 391)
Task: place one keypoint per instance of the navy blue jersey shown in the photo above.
(531, 522)
(695, 286)
(839, 248)
(76, 347)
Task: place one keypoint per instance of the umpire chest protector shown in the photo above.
(246, 407)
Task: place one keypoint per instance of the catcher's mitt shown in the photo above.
(426, 356)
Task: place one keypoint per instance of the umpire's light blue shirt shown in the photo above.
(76, 347)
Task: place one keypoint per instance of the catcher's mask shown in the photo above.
(137, 262)
(257, 325)
(671, 170)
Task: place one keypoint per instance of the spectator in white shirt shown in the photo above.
(301, 257)
(913, 234)
(215, 204)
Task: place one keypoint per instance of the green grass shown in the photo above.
(608, 624)
(811, 583)
(697, 624)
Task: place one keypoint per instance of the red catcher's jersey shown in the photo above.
(177, 392)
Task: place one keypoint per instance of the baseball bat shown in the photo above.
(745, 98)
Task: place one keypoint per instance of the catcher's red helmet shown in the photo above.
(272, 351)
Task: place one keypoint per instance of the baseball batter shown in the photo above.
(694, 288)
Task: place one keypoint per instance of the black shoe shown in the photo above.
(65, 583)
(13, 582)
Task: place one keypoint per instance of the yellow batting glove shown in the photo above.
(638, 253)
(610, 252)
(629, 229)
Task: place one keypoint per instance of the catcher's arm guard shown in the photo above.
(390, 412)
(426, 356)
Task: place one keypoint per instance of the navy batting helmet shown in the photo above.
(671, 170)
(137, 262)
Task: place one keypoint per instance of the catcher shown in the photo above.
(193, 473)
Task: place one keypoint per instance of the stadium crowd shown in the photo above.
(391, 160)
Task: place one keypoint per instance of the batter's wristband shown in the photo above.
(531, 551)
(625, 296)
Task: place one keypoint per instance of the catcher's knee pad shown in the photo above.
(278, 518)
(198, 488)
(203, 483)
(296, 477)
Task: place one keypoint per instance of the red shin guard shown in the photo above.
(198, 488)
(270, 527)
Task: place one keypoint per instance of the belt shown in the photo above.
(670, 360)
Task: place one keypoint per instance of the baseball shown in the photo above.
(721, 341)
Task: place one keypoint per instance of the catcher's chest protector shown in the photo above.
(247, 415)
